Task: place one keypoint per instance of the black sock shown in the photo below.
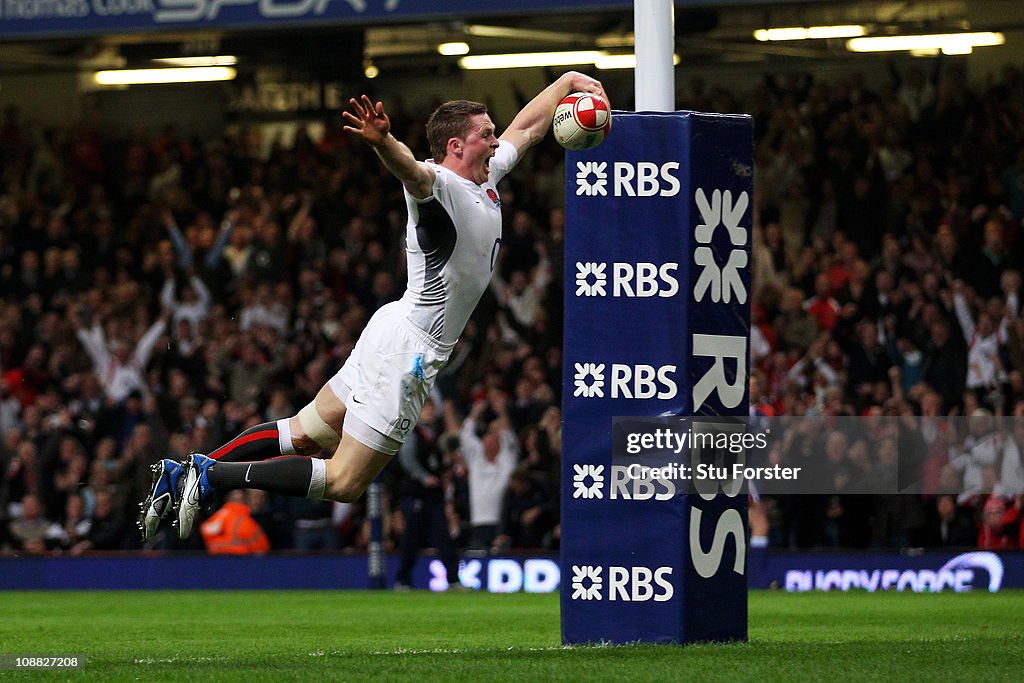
(254, 444)
(289, 475)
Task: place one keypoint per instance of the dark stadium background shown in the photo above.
(290, 79)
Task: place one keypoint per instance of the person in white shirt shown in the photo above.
(366, 411)
(194, 304)
(977, 456)
(264, 310)
(490, 452)
(984, 367)
(120, 367)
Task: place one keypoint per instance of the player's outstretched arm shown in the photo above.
(369, 121)
(532, 122)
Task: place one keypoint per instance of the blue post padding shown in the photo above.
(657, 253)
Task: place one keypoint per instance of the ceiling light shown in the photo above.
(524, 60)
(616, 62)
(485, 31)
(453, 49)
(162, 76)
(626, 61)
(616, 40)
(955, 42)
(957, 49)
(529, 59)
(212, 60)
(808, 33)
(794, 33)
(849, 31)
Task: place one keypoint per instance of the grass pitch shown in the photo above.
(358, 636)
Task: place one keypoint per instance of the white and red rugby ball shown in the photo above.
(582, 121)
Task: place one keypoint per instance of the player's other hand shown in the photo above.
(368, 120)
(580, 82)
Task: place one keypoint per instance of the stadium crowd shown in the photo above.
(160, 293)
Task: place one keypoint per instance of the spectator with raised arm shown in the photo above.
(491, 451)
(984, 336)
(194, 303)
(120, 368)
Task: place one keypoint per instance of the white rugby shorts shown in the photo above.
(388, 377)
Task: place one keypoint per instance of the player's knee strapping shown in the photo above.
(316, 429)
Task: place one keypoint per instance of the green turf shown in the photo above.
(363, 636)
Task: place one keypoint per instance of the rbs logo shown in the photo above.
(640, 179)
(625, 381)
(640, 280)
(625, 487)
(626, 584)
(588, 484)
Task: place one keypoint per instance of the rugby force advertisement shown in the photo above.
(920, 572)
(657, 253)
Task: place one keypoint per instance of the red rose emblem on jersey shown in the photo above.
(494, 196)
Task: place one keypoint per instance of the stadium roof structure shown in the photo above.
(404, 35)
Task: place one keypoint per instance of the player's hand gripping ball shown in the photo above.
(582, 121)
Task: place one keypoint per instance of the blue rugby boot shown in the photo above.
(162, 498)
(194, 492)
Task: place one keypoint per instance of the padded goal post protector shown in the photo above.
(657, 323)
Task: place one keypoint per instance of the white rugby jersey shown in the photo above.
(451, 243)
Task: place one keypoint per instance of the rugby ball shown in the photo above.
(582, 121)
